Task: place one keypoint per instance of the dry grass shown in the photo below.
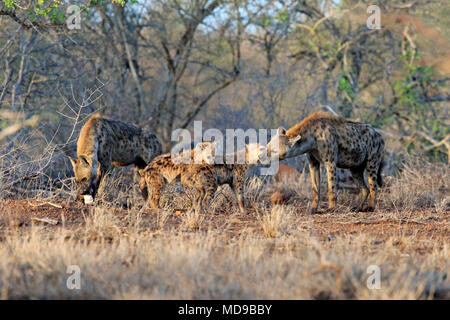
(420, 185)
(98, 224)
(161, 219)
(278, 252)
(136, 263)
(277, 221)
(192, 220)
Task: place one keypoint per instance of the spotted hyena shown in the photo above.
(204, 177)
(335, 142)
(103, 142)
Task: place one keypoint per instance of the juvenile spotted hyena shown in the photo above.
(336, 142)
(204, 178)
(103, 142)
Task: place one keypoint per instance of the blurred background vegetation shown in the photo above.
(232, 63)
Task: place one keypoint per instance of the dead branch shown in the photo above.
(45, 203)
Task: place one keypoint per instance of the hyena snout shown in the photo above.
(87, 189)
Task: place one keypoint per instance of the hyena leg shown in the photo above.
(372, 171)
(143, 187)
(140, 164)
(358, 177)
(331, 174)
(154, 184)
(373, 167)
(202, 185)
(314, 168)
(198, 197)
(238, 189)
(209, 192)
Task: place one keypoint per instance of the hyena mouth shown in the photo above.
(88, 192)
(87, 197)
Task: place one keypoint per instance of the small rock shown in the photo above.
(287, 174)
(279, 198)
(45, 220)
(17, 223)
(88, 199)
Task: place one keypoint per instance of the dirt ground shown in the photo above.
(381, 225)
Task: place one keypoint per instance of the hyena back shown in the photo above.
(335, 142)
(103, 142)
(204, 178)
(170, 167)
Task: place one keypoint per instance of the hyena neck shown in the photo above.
(252, 154)
(305, 145)
(247, 156)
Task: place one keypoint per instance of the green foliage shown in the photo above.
(283, 16)
(345, 85)
(54, 10)
(411, 105)
(274, 18)
(10, 3)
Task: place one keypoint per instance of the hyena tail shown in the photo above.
(379, 177)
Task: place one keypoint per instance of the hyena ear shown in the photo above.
(281, 131)
(295, 139)
(85, 160)
(254, 148)
(99, 170)
(73, 162)
(215, 144)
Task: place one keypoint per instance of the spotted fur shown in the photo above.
(335, 142)
(204, 178)
(103, 142)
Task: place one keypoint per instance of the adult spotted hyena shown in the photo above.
(204, 177)
(103, 142)
(336, 142)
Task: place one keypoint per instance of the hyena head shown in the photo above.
(86, 176)
(279, 146)
(204, 152)
(253, 152)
